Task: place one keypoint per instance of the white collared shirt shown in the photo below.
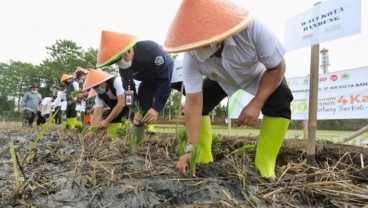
(244, 59)
(118, 85)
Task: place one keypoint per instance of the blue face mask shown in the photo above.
(100, 90)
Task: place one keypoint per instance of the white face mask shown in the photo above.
(124, 64)
(203, 54)
(34, 91)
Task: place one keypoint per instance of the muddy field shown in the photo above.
(64, 172)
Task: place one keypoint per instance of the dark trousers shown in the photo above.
(58, 116)
(70, 111)
(277, 105)
(29, 116)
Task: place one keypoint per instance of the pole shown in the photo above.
(179, 110)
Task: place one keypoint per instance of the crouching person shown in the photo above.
(110, 92)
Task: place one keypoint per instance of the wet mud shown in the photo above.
(62, 171)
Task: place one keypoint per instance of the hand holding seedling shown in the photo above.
(150, 116)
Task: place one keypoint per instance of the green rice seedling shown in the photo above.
(194, 154)
(94, 130)
(79, 126)
(246, 150)
(133, 144)
(74, 93)
(182, 141)
(216, 139)
(15, 166)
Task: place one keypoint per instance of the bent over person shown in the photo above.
(238, 52)
(110, 92)
(144, 61)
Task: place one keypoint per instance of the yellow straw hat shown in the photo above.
(200, 23)
(66, 77)
(80, 69)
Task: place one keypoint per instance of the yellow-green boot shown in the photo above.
(72, 122)
(272, 134)
(112, 130)
(150, 129)
(205, 141)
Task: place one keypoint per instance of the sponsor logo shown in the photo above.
(345, 76)
(334, 77)
(159, 60)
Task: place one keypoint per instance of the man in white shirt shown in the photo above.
(237, 52)
(45, 110)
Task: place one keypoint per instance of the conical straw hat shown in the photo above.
(94, 78)
(91, 93)
(66, 77)
(80, 69)
(200, 23)
(112, 46)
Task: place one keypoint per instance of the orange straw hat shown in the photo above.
(112, 46)
(66, 77)
(200, 23)
(94, 78)
(91, 93)
(80, 69)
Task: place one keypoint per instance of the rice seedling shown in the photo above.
(194, 154)
(246, 150)
(182, 137)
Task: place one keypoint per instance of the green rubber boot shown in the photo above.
(150, 129)
(205, 141)
(272, 134)
(112, 129)
(67, 125)
(72, 122)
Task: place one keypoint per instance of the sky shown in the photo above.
(28, 27)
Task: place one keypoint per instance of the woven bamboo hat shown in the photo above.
(66, 77)
(112, 46)
(80, 69)
(94, 78)
(200, 23)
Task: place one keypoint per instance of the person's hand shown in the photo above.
(183, 163)
(137, 119)
(88, 136)
(150, 116)
(21, 110)
(42, 114)
(79, 96)
(249, 115)
(103, 124)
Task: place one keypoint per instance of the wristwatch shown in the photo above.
(188, 148)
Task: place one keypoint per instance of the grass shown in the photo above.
(331, 135)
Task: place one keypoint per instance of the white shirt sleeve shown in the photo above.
(118, 84)
(269, 49)
(76, 85)
(99, 102)
(192, 78)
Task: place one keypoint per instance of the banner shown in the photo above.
(341, 95)
(177, 74)
(326, 21)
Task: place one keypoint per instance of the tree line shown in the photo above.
(64, 56)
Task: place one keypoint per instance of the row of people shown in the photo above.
(229, 48)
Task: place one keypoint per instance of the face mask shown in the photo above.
(100, 90)
(34, 91)
(124, 64)
(203, 54)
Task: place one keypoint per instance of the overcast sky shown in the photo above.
(28, 26)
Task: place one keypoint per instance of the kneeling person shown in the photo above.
(110, 92)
